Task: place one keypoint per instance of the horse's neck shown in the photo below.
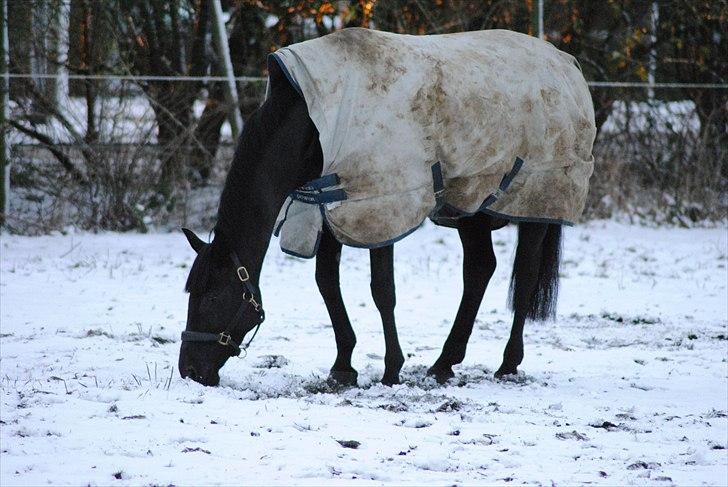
(267, 166)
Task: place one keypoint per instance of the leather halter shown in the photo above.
(250, 298)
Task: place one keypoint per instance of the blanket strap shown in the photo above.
(504, 184)
(315, 192)
(438, 185)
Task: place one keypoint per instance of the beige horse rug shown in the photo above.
(440, 126)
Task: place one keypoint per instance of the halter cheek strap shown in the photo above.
(250, 298)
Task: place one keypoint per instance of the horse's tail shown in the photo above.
(541, 304)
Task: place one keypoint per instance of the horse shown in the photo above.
(279, 152)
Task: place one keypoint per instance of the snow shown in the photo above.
(653, 117)
(128, 119)
(628, 386)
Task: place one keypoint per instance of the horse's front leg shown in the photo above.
(382, 285)
(478, 267)
(327, 279)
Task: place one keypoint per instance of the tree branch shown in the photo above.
(62, 158)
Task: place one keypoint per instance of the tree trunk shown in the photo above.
(4, 92)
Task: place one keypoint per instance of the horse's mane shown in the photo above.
(232, 199)
(256, 131)
(233, 202)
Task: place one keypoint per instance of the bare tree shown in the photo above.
(167, 38)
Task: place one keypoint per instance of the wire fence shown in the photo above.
(243, 79)
(124, 152)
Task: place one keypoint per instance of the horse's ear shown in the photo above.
(195, 242)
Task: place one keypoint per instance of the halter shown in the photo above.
(249, 298)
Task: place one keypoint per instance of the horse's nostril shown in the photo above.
(191, 372)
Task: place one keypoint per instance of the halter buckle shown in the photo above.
(224, 339)
(243, 274)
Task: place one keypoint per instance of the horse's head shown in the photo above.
(224, 306)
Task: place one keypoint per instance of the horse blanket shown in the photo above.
(440, 126)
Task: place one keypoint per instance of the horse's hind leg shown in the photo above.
(382, 285)
(327, 279)
(534, 285)
(478, 267)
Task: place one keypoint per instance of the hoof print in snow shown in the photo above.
(97, 333)
(197, 448)
(271, 362)
(643, 466)
(323, 386)
(572, 435)
(519, 378)
(353, 444)
(449, 406)
(395, 407)
(118, 475)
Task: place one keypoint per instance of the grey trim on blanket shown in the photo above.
(386, 242)
(526, 219)
(356, 246)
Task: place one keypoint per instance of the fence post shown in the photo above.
(536, 26)
(540, 20)
(4, 93)
(231, 91)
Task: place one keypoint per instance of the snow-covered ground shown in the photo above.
(628, 386)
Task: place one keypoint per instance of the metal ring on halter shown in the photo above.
(242, 273)
(224, 338)
(250, 297)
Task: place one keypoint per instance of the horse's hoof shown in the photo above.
(391, 380)
(441, 375)
(344, 377)
(504, 371)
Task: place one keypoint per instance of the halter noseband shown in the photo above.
(250, 297)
